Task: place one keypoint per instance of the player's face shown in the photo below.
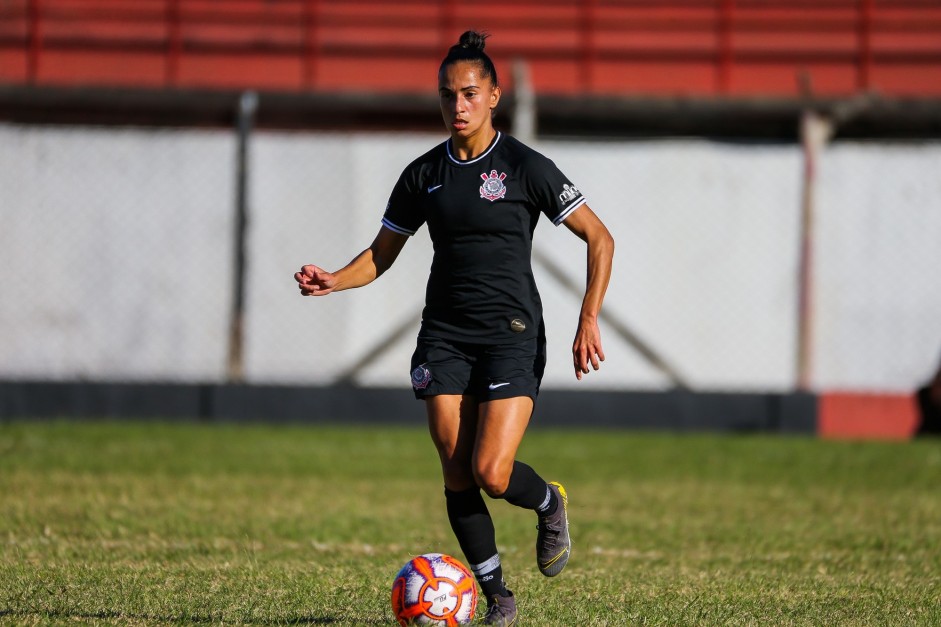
(467, 99)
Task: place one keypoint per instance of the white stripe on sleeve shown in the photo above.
(396, 228)
(568, 210)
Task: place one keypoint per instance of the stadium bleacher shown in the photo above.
(734, 48)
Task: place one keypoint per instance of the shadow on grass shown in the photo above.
(118, 616)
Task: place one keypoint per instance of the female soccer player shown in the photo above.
(481, 347)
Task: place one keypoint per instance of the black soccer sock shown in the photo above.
(473, 527)
(529, 491)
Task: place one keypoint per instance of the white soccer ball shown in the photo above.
(434, 589)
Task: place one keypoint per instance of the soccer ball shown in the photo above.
(434, 589)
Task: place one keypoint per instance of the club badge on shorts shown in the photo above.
(493, 187)
(421, 377)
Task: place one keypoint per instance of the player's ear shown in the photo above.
(495, 98)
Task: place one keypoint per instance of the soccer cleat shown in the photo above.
(500, 611)
(553, 545)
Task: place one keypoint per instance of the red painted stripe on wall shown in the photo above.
(848, 415)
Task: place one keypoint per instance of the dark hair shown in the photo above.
(470, 47)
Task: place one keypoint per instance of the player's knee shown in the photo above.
(492, 479)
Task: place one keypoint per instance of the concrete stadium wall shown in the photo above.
(116, 249)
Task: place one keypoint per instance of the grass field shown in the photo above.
(148, 523)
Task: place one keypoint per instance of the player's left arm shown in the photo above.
(590, 229)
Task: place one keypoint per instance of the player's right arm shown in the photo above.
(365, 268)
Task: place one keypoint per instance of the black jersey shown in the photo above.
(481, 214)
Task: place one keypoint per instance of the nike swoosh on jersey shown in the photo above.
(431, 189)
(494, 386)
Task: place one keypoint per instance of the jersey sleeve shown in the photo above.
(551, 191)
(403, 212)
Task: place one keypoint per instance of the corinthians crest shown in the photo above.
(493, 187)
(421, 377)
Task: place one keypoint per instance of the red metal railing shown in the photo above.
(698, 47)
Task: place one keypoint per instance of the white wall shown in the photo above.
(116, 249)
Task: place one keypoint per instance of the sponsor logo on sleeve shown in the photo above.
(569, 193)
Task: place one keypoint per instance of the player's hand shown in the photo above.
(587, 347)
(314, 281)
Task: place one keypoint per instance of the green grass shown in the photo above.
(145, 523)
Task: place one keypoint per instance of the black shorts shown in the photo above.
(486, 371)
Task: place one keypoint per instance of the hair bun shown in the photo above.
(473, 40)
(470, 48)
